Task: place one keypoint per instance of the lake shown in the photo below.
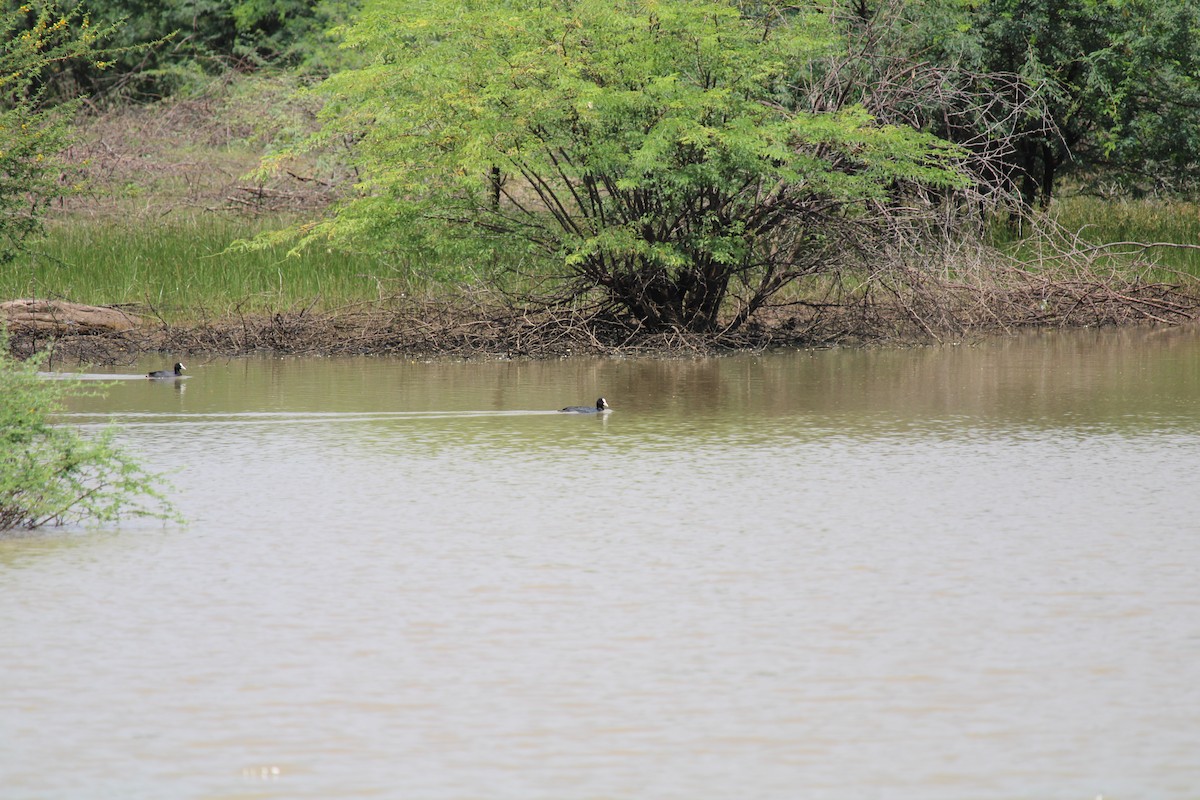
(943, 572)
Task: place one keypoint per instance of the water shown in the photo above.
(966, 572)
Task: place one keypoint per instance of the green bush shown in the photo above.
(655, 155)
(160, 47)
(51, 474)
(34, 129)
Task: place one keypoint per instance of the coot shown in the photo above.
(601, 405)
(166, 373)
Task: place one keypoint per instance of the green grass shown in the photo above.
(1103, 221)
(185, 269)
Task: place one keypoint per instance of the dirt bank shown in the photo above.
(484, 327)
(424, 330)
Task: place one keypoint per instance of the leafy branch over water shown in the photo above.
(51, 474)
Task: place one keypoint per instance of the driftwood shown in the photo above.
(64, 318)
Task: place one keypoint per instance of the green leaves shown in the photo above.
(33, 43)
(632, 142)
(50, 474)
(1122, 83)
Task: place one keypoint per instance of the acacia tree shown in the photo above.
(157, 47)
(36, 38)
(654, 150)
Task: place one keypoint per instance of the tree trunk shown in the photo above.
(1049, 168)
(494, 179)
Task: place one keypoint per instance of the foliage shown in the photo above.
(33, 132)
(922, 64)
(1123, 80)
(1102, 92)
(655, 150)
(50, 474)
(163, 46)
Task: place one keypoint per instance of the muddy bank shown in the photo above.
(473, 328)
(431, 330)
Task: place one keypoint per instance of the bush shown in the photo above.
(653, 154)
(50, 474)
(34, 126)
(161, 48)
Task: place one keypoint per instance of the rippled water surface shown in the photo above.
(953, 572)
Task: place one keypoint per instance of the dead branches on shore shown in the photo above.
(1012, 298)
(1066, 282)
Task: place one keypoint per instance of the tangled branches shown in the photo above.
(964, 287)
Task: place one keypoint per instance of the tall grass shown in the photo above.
(1103, 221)
(185, 268)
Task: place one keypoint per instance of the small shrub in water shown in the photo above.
(51, 474)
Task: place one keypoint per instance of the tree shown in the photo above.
(923, 64)
(1103, 92)
(32, 130)
(655, 151)
(1123, 81)
(158, 47)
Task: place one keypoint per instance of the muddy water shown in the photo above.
(960, 572)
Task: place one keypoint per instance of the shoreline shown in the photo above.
(458, 329)
(438, 332)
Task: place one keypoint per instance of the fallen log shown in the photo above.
(62, 317)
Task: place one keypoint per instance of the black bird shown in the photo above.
(601, 405)
(166, 373)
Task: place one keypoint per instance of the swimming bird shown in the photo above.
(166, 373)
(601, 405)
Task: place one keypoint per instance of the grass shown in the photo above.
(184, 268)
(139, 233)
(1102, 221)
